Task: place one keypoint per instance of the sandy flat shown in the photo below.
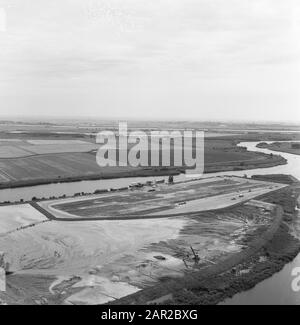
(15, 216)
(100, 290)
(67, 248)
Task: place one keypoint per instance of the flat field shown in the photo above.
(163, 200)
(53, 167)
(17, 148)
(31, 160)
(33, 153)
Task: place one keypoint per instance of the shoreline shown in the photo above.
(34, 200)
(94, 177)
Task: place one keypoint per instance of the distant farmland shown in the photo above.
(20, 148)
(52, 166)
(36, 161)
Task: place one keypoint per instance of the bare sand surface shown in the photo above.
(100, 290)
(115, 258)
(60, 248)
(16, 216)
(63, 249)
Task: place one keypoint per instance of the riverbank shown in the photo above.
(266, 255)
(149, 172)
(288, 147)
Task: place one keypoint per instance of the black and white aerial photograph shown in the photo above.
(149, 155)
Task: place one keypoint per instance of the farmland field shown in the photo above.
(52, 166)
(12, 151)
(35, 159)
(13, 148)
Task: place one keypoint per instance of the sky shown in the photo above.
(158, 59)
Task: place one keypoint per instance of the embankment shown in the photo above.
(126, 174)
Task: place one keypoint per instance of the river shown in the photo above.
(68, 189)
(274, 290)
(278, 288)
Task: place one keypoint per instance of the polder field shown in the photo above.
(27, 161)
(160, 200)
(37, 158)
